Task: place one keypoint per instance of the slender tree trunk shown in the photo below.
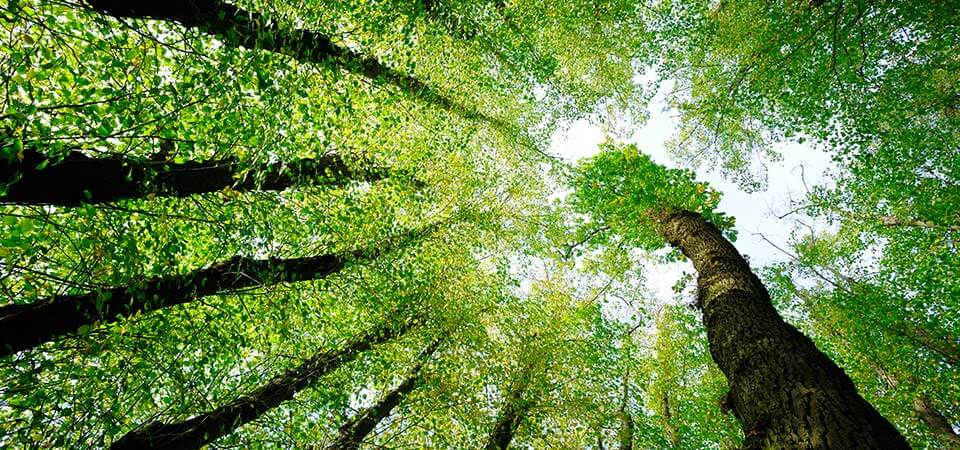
(935, 420)
(355, 430)
(668, 427)
(24, 326)
(80, 179)
(625, 435)
(200, 430)
(783, 390)
(237, 27)
(512, 413)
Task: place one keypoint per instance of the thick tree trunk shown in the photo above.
(200, 430)
(512, 413)
(783, 390)
(355, 430)
(237, 27)
(80, 179)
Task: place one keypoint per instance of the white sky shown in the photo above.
(755, 212)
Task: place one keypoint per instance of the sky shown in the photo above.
(755, 212)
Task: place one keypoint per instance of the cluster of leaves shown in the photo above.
(624, 190)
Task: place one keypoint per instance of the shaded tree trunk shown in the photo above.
(200, 430)
(512, 413)
(237, 27)
(81, 179)
(355, 430)
(24, 326)
(783, 390)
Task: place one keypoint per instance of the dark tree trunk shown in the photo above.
(200, 430)
(237, 27)
(512, 413)
(783, 390)
(355, 430)
(24, 326)
(80, 179)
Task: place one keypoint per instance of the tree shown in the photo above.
(353, 433)
(207, 427)
(76, 179)
(28, 325)
(779, 381)
(252, 30)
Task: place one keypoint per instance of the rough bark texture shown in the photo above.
(354, 431)
(80, 179)
(237, 27)
(205, 428)
(24, 326)
(783, 390)
(512, 413)
(934, 419)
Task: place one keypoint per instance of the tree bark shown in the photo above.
(355, 430)
(783, 390)
(512, 413)
(237, 27)
(24, 326)
(79, 179)
(200, 430)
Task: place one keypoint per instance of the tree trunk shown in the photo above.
(355, 430)
(80, 179)
(625, 435)
(512, 413)
(200, 430)
(783, 390)
(935, 420)
(668, 427)
(237, 27)
(24, 326)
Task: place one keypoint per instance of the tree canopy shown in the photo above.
(349, 224)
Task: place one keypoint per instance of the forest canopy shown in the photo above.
(354, 224)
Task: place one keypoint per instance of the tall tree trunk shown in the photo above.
(24, 326)
(625, 434)
(200, 430)
(512, 413)
(783, 390)
(81, 179)
(237, 27)
(355, 430)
